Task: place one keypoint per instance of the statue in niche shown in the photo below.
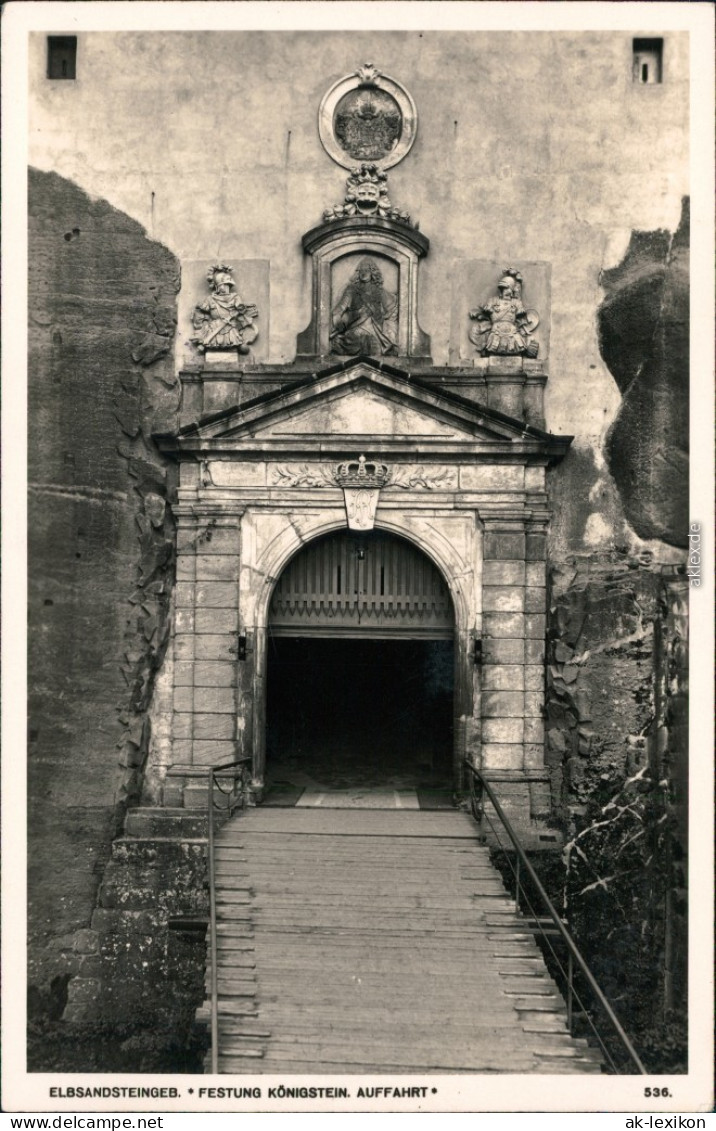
(367, 195)
(504, 328)
(365, 319)
(224, 321)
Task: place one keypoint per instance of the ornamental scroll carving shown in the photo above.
(411, 478)
(303, 475)
(363, 473)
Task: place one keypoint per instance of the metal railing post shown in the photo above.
(570, 989)
(517, 883)
(214, 982)
(238, 766)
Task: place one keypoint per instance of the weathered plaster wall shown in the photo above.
(102, 301)
(530, 146)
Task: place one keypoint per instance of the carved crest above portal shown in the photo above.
(367, 116)
(367, 195)
(361, 480)
(361, 472)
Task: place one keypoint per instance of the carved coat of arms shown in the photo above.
(368, 124)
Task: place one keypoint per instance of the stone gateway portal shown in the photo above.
(362, 499)
(360, 676)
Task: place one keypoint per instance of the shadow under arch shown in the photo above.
(277, 556)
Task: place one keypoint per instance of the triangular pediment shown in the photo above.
(362, 411)
(363, 401)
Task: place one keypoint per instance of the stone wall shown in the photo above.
(102, 302)
(560, 170)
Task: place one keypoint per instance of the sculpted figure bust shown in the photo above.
(365, 319)
(223, 321)
(504, 327)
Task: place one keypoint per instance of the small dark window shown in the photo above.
(648, 54)
(61, 56)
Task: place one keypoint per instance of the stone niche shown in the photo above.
(337, 249)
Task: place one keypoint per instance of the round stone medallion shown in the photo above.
(367, 116)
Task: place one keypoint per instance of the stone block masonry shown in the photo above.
(513, 625)
(205, 697)
(132, 967)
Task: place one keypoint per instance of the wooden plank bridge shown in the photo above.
(367, 941)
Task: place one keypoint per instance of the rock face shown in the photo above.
(102, 302)
(617, 749)
(644, 339)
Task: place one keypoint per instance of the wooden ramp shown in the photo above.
(377, 941)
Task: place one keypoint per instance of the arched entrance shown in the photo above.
(360, 663)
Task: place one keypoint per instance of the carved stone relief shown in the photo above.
(361, 481)
(361, 473)
(223, 321)
(367, 116)
(303, 475)
(367, 123)
(365, 474)
(503, 326)
(367, 195)
(410, 478)
(364, 320)
(365, 288)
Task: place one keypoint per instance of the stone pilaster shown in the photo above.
(503, 625)
(206, 646)
(535, 635)
(512, 683)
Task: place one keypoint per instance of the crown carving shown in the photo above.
(368, 74)
(361, 473)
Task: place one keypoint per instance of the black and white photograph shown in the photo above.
(359, 595)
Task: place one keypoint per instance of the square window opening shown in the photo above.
(648, 61)
(61, 56)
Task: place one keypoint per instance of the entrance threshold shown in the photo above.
(286, 795)
(358, 798)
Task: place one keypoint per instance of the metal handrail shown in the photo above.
(572, 949)
(234, 796)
